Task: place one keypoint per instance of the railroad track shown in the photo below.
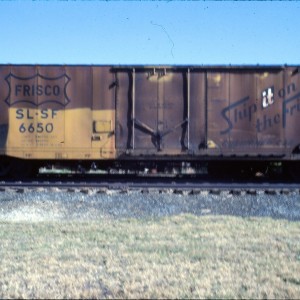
(170, 185)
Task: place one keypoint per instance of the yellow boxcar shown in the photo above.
(57, 112)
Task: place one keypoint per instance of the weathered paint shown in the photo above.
(107, 112)
(54, 112)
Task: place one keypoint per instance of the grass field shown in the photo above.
(181, 256)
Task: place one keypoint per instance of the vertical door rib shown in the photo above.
(133, 107)
(188, 109)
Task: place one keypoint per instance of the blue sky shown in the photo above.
(150, 32)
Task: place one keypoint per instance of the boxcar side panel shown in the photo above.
(57, 112)
(197, 111)
(289, 98)
(4, 108)
(103, 113)
(218, 117)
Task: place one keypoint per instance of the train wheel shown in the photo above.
(5, 166)
(294, 170)
(22, 169)
(220, 170)
(258, 171)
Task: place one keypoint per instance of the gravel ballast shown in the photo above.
(49, 205)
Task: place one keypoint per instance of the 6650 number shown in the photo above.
(38, 128)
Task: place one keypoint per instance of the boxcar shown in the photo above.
(149, 117)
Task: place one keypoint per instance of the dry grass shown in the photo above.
(176, 257)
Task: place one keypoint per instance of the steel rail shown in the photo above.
(159, 184)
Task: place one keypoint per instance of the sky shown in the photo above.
(150, 32)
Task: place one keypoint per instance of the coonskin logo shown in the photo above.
(37, 90)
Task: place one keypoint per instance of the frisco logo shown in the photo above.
(37, 90)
